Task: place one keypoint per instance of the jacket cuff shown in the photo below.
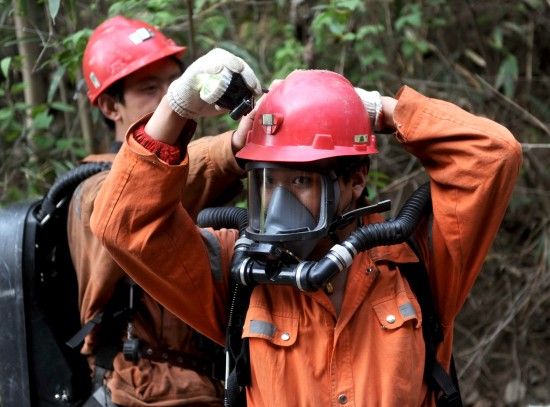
(170, 154)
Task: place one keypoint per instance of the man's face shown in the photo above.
(144, 89)
(305, 186)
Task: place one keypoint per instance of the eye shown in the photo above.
(302, 181)
(149, 87)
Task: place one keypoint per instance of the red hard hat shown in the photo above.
(311, 115)
(119, 47)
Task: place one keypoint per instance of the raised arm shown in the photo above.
(472, 163)
(139, 217)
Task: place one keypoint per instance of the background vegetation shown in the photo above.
(488, 56)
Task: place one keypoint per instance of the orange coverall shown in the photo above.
(301, 352)
(148, 382)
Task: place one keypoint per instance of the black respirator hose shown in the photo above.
(311, 276)
(396, 230)
(65, 185)
(231, 218)
(223, 217)
(236, 375)
(308, 275)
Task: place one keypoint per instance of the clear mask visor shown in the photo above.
(286, 203)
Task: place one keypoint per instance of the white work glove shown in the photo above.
(196, 91)
(373, 105)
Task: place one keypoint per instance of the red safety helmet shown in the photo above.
(119, 47)
(311, 115)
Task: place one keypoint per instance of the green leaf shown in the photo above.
(42, 120)
(53, 8)
(64, 144)
(375, 55)
(56, 78)
(412, 19)
(368, 30)
(17, 88)
(507, 75)
(62, 107)
(5, 66)
(80, 36)
(198, 5)
(351, 5)
(43, 142)
(497, 38)
(6, 114)
(215, 25)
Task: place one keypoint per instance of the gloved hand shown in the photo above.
(373, 105)
(196, 91)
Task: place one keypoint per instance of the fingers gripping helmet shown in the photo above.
(310, 117)
(119, 47)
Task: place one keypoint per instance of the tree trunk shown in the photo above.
(29, 46)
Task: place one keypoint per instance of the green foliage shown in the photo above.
(410, 24)
(490, 57)
(288, 56)
(5, 66)
(507, 75)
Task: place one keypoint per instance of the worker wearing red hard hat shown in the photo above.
(140, 353)
(354, 338)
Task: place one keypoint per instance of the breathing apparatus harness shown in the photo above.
(265, 263)
(124, 303)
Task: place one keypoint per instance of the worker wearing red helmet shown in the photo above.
(358, 341)
(146, 356)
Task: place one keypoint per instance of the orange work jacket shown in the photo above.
(147, 382)
(301, 352)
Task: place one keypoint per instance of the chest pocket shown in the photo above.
(279, 330)
(394, 312)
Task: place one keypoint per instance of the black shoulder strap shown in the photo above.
(436, 376)
(236, 348)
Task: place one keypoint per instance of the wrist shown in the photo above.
(165, 125)
(388, 108)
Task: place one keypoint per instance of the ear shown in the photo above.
(109, 107)
(358, 181)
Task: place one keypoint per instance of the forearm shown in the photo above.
(165, 125)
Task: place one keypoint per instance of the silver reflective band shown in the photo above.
(351, 248)
(243, 241)
(343, 255)
(242, 269)
(406, 310)
(299, 275)
(262, 328)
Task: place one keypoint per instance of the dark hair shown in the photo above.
(116, 91)
(347, 165)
